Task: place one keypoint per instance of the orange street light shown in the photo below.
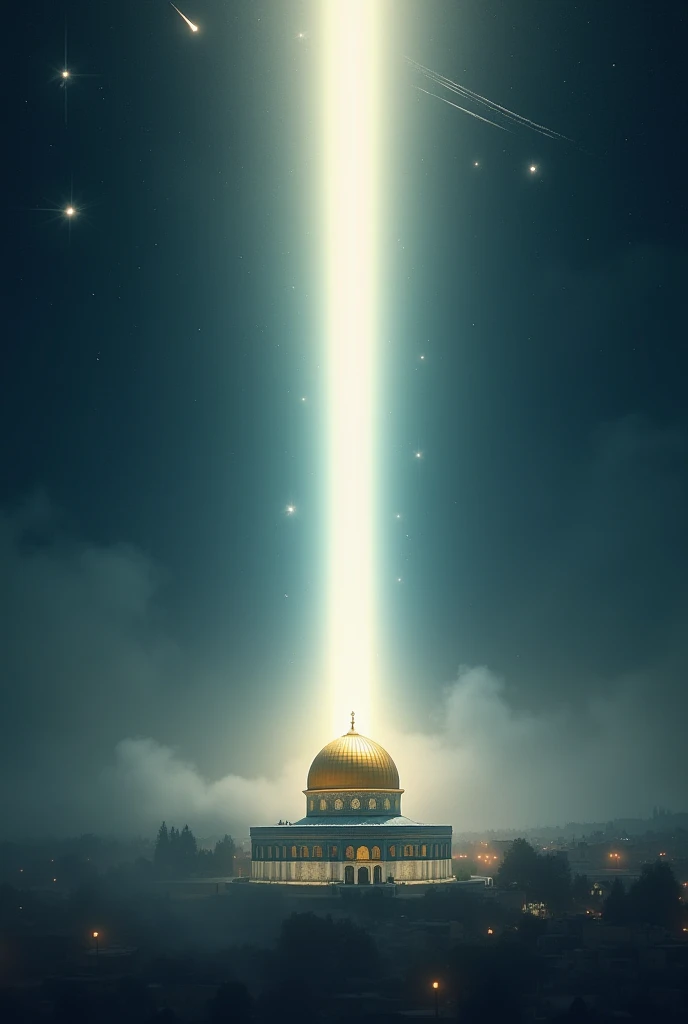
(490, 931)
(436, 990)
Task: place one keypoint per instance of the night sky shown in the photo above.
(158, 609)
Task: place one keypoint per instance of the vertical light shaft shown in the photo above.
(351, 71)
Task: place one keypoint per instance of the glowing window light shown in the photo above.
(351, 56)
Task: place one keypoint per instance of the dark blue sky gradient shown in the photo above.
(155, 358)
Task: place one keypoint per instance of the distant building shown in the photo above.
(353, 832)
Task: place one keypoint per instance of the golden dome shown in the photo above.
(353, 761)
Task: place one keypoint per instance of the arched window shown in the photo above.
(424, 850)
(348, 875)
(392, 851)
(311, 805)
(377, 874)
(304, 851)
(355, 803)
(349, 853)
(363, 853)
(323, 805)
(293, 853)
(284, 853)
(338, 804)
(372, 804)
(333, 852)
(408, 851)
(387, 803)
(415, 851)
(317, 851)
(376, 853)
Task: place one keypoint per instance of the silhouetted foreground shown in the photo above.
(263, 954)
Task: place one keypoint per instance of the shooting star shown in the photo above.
(465, 111)
(467, 94)
(194, 28)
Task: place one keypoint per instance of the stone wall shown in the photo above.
(305, 871)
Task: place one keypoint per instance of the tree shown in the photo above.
(188, 849)
(552, 884)
(615, 908)
(519, 867)
(223, 855)
(655, 899)
(545, 879)
(161, 856)
(205, 864)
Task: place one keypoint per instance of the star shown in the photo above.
(65, 73)
(70, 211)
(418, 455)
(532, 168)
(476, 164)
(290, 510)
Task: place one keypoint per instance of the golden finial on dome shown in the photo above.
(353, 719)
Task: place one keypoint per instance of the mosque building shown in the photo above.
(354, 831)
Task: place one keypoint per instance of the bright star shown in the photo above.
(70, 211)
(65, 73)
(290, 510)
(532, 168)
(476, 164)
(419, 455)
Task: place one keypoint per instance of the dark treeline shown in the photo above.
(176, 855)
(66, 863)
(655, 899)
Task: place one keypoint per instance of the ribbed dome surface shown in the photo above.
(353, 761)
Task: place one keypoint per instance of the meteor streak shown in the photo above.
(475, 97)
(472, 113)
(194, 28)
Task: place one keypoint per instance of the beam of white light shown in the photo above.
(352, 59)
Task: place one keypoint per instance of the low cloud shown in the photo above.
(485, 766)
(108, 721)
